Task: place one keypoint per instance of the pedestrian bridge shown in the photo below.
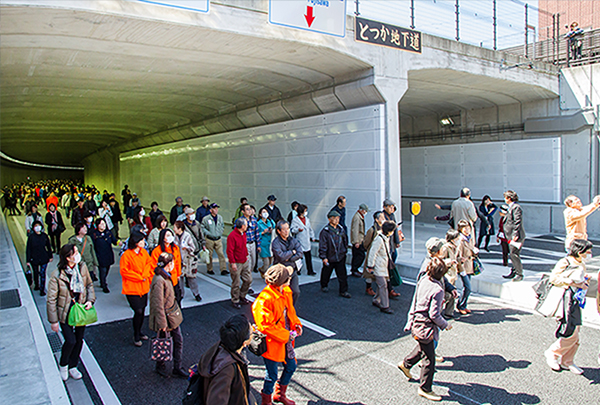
(177, 102)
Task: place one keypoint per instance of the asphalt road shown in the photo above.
(493, 356)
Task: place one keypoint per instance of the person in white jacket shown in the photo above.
(377, 264)
(302, 231)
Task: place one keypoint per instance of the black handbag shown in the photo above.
(258, 344)
(161, 348)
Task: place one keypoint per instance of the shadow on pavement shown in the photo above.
(592, 374)
(492, 315)
(486, 394)
(489, 363)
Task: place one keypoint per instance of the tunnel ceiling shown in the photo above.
(74, 81)
(446, 91)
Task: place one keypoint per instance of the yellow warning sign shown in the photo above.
(415, 207)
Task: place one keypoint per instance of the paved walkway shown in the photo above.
(28, 372)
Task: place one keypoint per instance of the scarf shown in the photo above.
(76, 279)
(54, 221)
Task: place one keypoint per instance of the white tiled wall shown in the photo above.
(530, 167)
(311, 160)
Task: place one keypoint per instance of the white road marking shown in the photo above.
(319, 329)
(103, 387)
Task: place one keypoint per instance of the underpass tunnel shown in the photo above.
(224, 104)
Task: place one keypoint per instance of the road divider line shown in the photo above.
(310, 325)
(103, 387)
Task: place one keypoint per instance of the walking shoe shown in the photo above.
(376, 305)
(405, 370)
(324, 289)
(64, 372)
(462, 311)
(42, 293)
(250, 291)
(279, 395)
(198, 297)
(236, 305)
(356, 274)
(369, 291)
(518, 278)
(512, 274)
(439, 359)
(36, 288)
(244, 301)
(180, 372)
(432, 396)
(551, 360)
(75, 374)
(265, 399)
(312, 273)
(224, 273)
(137, 343)
(94, 278)
(345, 295)
(386, 311)
(573, 369)
(212, 273)
(143, 337)
(105, 290)
(394, 295)
(599, 359)
(255, 270)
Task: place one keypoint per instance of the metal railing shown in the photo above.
(561, 52)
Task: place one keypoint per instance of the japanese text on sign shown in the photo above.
(378, 33)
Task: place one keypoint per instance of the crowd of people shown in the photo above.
(161, 258)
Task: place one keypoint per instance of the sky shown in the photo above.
(438, 17)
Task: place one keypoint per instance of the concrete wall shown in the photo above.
(102, 170)
(311, 160)
(10, 174)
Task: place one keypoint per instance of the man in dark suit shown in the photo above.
(514, 233)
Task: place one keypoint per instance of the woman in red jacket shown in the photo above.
(275, 316)
(136, 272)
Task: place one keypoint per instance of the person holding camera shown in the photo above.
(275, 316)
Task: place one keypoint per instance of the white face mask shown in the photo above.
(77, 258)
(37, 228)
(142, 212)
(89, 220)
(265, 215)
(192, 217)
(169, 239)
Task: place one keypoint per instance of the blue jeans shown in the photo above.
(271, 376)
(462, 304)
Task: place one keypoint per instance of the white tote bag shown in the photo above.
(552, 303)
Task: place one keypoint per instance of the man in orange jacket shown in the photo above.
(275, 316)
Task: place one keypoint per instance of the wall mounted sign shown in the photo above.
(378, 33)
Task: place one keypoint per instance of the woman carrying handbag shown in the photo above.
(165, 315)
(569, 274)
(69, 284)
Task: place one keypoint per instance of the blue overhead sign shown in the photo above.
(193, 5)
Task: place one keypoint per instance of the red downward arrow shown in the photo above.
(309, 15)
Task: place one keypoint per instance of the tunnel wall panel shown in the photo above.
(310, 160)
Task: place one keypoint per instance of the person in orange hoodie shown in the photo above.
(136, 272)
(52, 199)
(166, 243)
(275, 316)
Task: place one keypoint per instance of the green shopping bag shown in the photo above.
(79, 316)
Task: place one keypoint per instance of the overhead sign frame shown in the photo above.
(286, 13)
(182, 4)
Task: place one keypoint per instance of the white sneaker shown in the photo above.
(64, 372)
(551, 360)
(599, 359)
(75, 374)
(573, 369)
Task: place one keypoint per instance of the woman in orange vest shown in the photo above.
(137, 272)
(275, 316)
(166, 243)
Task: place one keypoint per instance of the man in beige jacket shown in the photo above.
(576, 218)
(357, 236)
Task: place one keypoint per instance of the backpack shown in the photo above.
(194, 394)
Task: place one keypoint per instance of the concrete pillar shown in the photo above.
(392, 90)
